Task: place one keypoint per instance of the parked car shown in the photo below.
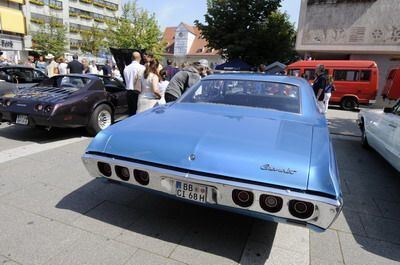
(356, 82)
(70, 101)
(381, 130)
(15, 77)
(248, 143)
(391, 90)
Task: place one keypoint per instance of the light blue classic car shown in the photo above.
(248, 143)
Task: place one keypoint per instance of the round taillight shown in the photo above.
(104, 169)
(8, 103)
(301, 209)
(270, 203)
(122, 173)
(48, 108)
(242, 198)
(142, 177)
(39, 107)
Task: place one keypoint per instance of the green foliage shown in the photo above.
(252, 30)
(50, 38)
(136, 29)
(93, 40)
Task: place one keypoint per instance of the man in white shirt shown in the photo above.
(133, 74)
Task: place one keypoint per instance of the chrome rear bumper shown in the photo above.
(219, 192)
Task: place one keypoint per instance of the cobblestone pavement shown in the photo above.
(52, 212)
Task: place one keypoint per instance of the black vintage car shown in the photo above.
(90, 101)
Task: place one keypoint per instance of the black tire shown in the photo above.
(95, 123)
(364, 140)
(349, 103)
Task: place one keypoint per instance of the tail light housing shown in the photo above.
(301, 209)
(271, 203)
(243, 198)
(122, 173)
(48, 108)
(38, 107)
(104, 169)
(142, 177)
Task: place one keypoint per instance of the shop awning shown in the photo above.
(17, 1)
(12, 20)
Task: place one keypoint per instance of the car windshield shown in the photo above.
(249, 93)
(73, 82)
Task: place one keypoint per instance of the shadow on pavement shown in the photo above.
(160, 221)
(28, 134)
(371, 188)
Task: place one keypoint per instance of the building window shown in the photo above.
(55, 4)
(200, 50)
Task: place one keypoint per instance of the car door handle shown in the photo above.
(392, 125)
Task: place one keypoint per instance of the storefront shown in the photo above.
(12, 30)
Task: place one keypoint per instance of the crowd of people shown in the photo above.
(150, 84)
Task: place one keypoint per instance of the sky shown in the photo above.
(172, 12)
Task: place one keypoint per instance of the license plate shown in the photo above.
(191, 191)
(22, 119)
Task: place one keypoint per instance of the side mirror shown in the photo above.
(388, 110)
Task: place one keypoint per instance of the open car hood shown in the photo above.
(251, 147)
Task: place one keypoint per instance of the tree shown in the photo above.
(252, 30)
(136, 29)
(50, 38)
(93, 40)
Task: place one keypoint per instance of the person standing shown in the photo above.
(150, 94)
(93, 68)
(162, 86)
(184, 79)
(75, 67)
(319, 85)
(133, 74)
(171, 70)
(328, 93)
(30, 62)
(52, 66)
(85, 65)
(107, 68)
(41, 64)
(62, 66)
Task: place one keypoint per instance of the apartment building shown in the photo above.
(77, 15)
(12, 29)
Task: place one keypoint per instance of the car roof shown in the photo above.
(334, 63)
(297, 81)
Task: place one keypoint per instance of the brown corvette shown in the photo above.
(67, 101)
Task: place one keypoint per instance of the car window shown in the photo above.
(258, 94)
(309, 74)
(4, 76)
(112, 84)
(294, 72)
(21, 75)
(73, 82)
(345, 75)
(38, 76)
(365, 75)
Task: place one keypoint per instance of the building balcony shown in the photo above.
(37, 2)
(86, 1)
(37, 21)
(56, 7)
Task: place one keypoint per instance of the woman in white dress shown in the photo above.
(150, 94)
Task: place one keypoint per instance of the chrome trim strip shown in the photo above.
(220, 190)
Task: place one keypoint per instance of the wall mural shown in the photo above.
(352, 23)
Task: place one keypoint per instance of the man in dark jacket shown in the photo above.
(185, 79)
(319, 85)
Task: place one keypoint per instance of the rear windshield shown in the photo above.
(74, 82)
(257, 94)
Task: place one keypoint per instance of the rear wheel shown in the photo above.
(101, 118)
(349, 103)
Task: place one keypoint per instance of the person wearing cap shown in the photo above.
(184, 79)
(52, 66)
(319, 85)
